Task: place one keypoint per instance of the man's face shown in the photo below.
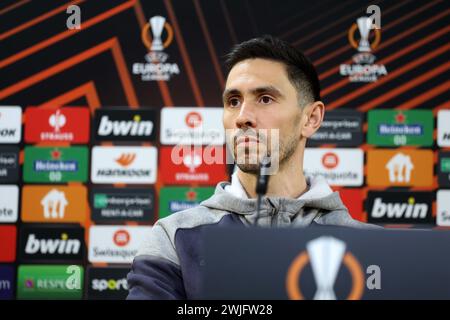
(260, 101)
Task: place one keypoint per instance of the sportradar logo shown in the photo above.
(326, 255)
(156, 35)
(364, 68)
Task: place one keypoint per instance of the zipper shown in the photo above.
(273, 213)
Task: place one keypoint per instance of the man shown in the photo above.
(271, 88)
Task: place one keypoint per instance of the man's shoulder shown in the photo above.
(191, 218)
(343, 218)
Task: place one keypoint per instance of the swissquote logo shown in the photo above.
(341, 167)
(115, 244)
(364, 68)
(326, 255)
(192, 126)
(157, 66)
(136, 165)
(443, 208)
(9, 203)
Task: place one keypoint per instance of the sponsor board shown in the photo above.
(50, 282)
(443, 169)
(443, 208)
(400, 168)
(174, 199)
(68, 124)
(54, 204)
(7, 282)
(10, 124)
(107, 283)
(55, 164)
(9, 203)
(40, 243)
(340, 127)
(443, 128)
(199, 165)
(8, 237)
(340, 167)
(115, 244)
(353, 200)
(399, 207)
(122, 204)
(133, 165)
(126, 125)
(400, 128)
(192, 126)
(9, 164)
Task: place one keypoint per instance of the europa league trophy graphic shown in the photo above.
(364, 25)
(157, 24)
(326, 255)
(156, 54)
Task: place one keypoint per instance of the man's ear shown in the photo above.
(313, 114)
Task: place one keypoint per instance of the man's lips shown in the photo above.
(246, 139)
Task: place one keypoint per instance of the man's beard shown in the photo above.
(281, 152)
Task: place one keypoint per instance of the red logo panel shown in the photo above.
(193, 165)
(353, 200)
(61, 125)
(8, 243)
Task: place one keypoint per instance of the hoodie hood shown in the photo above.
(318, 201)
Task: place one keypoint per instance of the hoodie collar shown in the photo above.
(232, 197)
(317, 188)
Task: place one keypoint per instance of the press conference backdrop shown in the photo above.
(89, 118)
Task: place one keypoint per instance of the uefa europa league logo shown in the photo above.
(364, 26)
(157, 24)
(326, 254)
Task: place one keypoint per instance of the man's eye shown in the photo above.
(266, 99)
(234, 102)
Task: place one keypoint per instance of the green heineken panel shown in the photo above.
(55, 164)
(50, 282)
(173, 199)
(400, 128)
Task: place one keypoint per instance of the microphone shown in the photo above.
(261, 184)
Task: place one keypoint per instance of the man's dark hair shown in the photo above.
(300, 70)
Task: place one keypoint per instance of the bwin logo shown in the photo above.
(326, 255)
(399, 210)
(52, 246)
(134, 127)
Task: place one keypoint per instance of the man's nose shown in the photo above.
(246, 117)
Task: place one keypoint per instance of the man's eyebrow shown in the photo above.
(256, 91)
(267, 89)
(230, 92)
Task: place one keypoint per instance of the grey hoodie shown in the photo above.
(168, 264)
